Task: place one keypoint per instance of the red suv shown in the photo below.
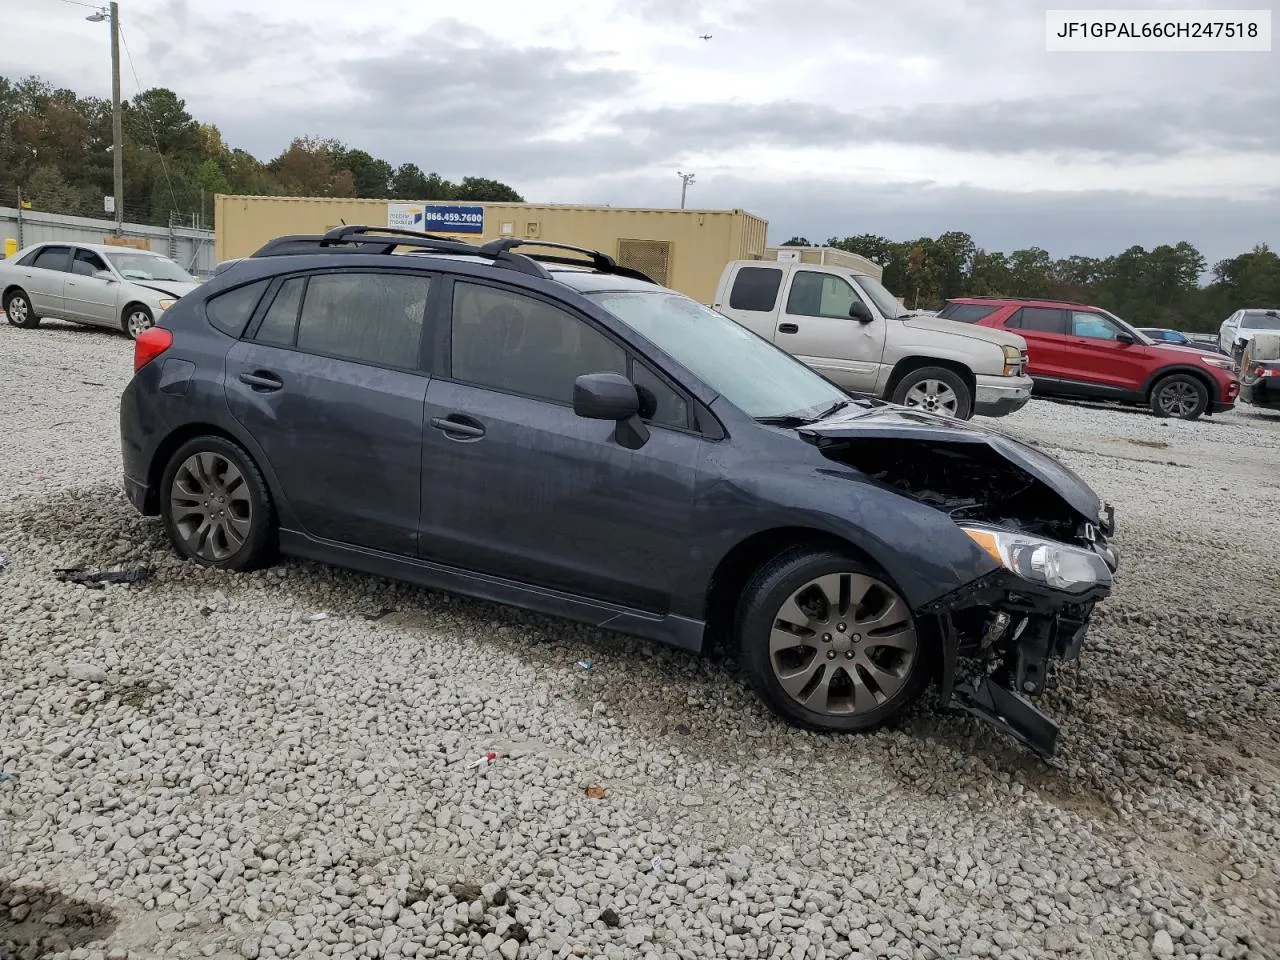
(1087, 353)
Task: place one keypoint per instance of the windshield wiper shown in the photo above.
(796, 420)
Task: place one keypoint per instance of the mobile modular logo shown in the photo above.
(405, 216)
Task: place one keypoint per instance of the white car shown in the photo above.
(93, 284)
(1239, 328)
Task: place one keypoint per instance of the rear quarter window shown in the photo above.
(230, 311)
(966, 312)
(756, 289)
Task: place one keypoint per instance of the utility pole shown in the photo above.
(117, 133)
(112, 12)
(685, 180)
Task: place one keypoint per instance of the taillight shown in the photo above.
(149, 345)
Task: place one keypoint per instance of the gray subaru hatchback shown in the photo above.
(533, 424)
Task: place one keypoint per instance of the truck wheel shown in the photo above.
(1180, 396)
(829, 644)
(935, 390)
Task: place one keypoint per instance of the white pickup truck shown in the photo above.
(849, 328)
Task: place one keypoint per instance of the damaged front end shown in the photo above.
(1044, 529)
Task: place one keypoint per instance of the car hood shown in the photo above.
(1001, 338)
(170, 288)
(894, 423)
(1182, 348)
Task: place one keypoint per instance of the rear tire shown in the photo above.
(216, 507)
(875, 665)
(935, 390)
(19, 312)
(1179, 396)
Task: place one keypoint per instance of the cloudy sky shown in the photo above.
(827, 117)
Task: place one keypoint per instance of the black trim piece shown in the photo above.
(683, 632)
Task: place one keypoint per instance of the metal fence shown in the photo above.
(190, 246)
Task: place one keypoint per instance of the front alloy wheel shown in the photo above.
(829, 644)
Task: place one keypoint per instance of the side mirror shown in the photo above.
(610, 396)
(106, 275)
(605, 396)
(860, 312)
(1125, 339)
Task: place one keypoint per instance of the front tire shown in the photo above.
(19, 312)
(1179, 396)
(829, 644)
(216, 507)
(935, 390)
(136, 319)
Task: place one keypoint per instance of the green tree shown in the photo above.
(371, 176)
(798, 242)
(484, 189)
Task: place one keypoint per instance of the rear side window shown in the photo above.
(370, 317)
(230, 311)
(755, 288)
(1040, 319)
(966, 312)
(52, 258)
(281, 320)
(507, 341)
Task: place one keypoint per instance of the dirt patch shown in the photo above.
(37, 923)
(1153, 444)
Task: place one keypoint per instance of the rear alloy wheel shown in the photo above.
(137, 318)
(828, 644)
(935, 390)
(1180, 396)
(17, 310)
(215, 505)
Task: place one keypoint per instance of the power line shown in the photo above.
(164, 167)
(79, 3)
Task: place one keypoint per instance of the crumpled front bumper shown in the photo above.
(1017, 630)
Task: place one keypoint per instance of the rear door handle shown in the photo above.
(788, 328)
(458, 427)
(262, 381)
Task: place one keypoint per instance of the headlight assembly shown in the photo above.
(1222, 363)
(1048, 562)
(167, 302)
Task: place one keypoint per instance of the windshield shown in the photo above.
(140, 266)
(1259, 321)
(751, 373)
(885, 301)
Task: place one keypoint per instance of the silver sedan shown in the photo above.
(93, 284)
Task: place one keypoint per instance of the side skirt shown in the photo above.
(682, 632)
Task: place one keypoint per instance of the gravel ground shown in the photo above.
(192, 766)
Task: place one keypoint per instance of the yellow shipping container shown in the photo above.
(683, 249)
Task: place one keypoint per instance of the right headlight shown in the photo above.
(1048, 562)
(1012, 361)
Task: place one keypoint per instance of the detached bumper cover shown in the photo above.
(1023, 629)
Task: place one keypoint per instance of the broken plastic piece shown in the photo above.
(316, 617)
(585, 664)
(484, 761)
(95, 581)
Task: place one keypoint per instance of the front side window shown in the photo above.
(52, 258)
(660, 403)
(370, 317)
(87, 263)
(750, 372)
(1093, 326)
(820, 295)
(511, 342)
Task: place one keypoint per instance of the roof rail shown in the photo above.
(357, 238)
(599, 260)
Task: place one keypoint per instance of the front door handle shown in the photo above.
(457, 427)
(262, 381)
(788, 328)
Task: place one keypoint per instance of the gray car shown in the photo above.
(93, 284)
